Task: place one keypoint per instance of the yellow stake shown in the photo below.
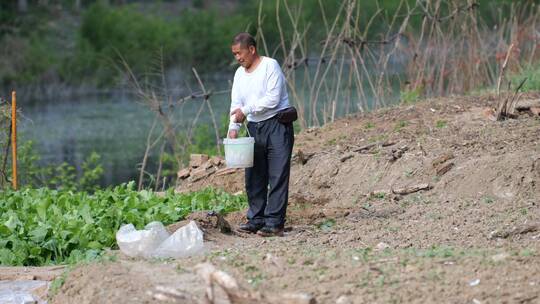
(14, 137)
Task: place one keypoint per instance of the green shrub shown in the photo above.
(532, 73)
(63, 176)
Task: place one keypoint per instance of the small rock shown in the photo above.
(216, 161)
(443, 168)
(346, 157)
(474, 282)
(197, 160)
(184, 173)
(201, 173)
(382, 246)
(442, 159)
(297, 298)
(343, 300)
(500, 257)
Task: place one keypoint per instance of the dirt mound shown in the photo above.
(407, 204)
(128, 281)
(395, 148)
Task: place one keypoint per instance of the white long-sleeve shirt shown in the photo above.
(261, 93)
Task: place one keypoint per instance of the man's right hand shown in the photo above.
(233, 134)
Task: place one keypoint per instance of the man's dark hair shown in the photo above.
(245, 40)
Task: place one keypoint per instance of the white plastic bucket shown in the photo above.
(239, 152)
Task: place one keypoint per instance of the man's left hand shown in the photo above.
(240, 117)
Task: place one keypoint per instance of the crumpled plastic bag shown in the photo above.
(155, 242)
(21, 292)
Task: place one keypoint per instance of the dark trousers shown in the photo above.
(267, 182)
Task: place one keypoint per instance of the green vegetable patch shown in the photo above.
(44, 226)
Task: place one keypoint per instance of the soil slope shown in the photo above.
(432, 202)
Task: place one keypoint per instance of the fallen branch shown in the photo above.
(503, 234)
(412, 189)
(505, 107)
(441, 159)
(369, 146)
(223, 288)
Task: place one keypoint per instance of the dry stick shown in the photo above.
(358, 81)
(313, 102)
(396, 44)
(423, 66)
(297, 43)
(154, 104)
(349, 91)
(289, 59)
(338, 86)
(280, 31)
(516, 97)
(535, 44)
(499, 81)
(384, 66)
(332, 58)
(147, 152)
(502, 110)
(442, 63)
(170, 134)
(210, 109)
(194, 122)
(160, 165)
(259, 28)
(366, 74)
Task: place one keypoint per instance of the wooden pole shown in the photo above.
(14, 137)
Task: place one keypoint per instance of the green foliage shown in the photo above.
(400, 125)
(44, 226)
(410, 96)
(532, 73)
(63, 176)
(195, 38)
(440, 124)
(327, 224)
(204, 137)
(53, 43)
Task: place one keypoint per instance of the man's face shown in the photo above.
(244, 55)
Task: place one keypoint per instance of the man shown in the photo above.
(259, 93)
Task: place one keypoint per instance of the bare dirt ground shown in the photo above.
(431, 202)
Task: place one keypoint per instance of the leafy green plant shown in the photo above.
(62, 176)
(532, 74)
(400, 125)
(440, 124)
(410, 96)
(44, 226)
(327, 224)
(369, 125)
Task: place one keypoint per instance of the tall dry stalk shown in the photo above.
(171, 137)
(452, 51)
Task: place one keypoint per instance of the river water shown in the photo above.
(116, 124)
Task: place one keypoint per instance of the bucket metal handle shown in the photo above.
(247, 129)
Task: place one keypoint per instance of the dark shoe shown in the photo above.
(249, 227)
(270, 231)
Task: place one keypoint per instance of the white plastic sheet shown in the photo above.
(21, 292)
(155, 242)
